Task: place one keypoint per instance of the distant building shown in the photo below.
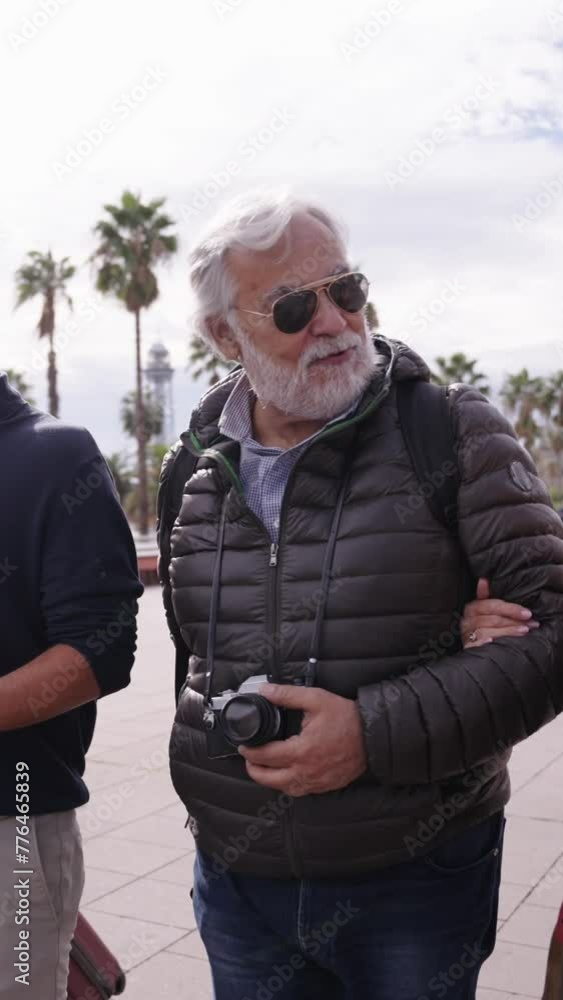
(159, 375)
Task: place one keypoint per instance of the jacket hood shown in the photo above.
(401, 364)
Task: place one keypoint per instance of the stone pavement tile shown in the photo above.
(511, 896)
(158, 902)
(549, 892)
(515, 968)
(179, 872)
(99, 883)
(131, 858)
(100, 775)
(133, 799)
(132, 941)
(176, 811)
(134, 751)
(191, 944)
(485, 994)
(539, 799)
(530, 925)
(157, 829)
(170, 977)
(530, 848)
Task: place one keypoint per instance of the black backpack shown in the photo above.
(424, 414)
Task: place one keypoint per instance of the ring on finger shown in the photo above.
(473, 637)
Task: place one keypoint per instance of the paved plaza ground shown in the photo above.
(139, 857)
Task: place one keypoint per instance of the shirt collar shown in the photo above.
(236, 419)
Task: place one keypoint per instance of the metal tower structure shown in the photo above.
(159, 374)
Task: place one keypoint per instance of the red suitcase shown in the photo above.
(94, 973)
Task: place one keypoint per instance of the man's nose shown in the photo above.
(328, 319)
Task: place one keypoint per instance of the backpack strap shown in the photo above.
(177, 467)
(424, 414)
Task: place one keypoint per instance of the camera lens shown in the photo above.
(251, 720)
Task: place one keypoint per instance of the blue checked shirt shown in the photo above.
(264, 471)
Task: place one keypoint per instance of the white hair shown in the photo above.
(255, 221)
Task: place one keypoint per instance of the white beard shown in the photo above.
(311, 393)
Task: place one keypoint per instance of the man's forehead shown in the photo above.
(271, 278)
(308, 257)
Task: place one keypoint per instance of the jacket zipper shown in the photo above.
(273, 588)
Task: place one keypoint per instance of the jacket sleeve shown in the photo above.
(87, 577)
(452, 715)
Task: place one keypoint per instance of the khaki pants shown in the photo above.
(49, 899)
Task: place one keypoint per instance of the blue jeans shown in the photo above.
(414, 931)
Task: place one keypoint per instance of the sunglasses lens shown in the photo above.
(293, 311)
(350, 292)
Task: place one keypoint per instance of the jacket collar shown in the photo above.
(12, 404)
(403, 363)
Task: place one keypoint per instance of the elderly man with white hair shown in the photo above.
(341, 739)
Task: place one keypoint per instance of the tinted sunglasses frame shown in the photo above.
(315, 287)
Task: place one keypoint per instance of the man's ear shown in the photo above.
(220, 331)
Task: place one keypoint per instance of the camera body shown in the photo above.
(246, 718)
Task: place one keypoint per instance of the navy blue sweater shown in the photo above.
(68, 574)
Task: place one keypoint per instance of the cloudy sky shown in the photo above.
(434, 129)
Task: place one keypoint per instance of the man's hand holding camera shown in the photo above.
(329, 752)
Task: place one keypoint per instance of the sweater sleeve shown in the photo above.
(89, 583)
(452, 715)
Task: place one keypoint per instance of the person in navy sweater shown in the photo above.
(69, 591)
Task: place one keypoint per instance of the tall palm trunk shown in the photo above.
(141, 440)
(52, 378)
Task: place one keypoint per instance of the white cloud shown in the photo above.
(353, 120)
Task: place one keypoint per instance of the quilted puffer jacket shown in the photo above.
(438, 721)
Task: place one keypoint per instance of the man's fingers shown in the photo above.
(281, 779)
(290, 696)
(278, 753)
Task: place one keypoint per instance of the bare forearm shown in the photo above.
(54, 682)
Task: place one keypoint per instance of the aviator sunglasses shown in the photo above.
(294, 310)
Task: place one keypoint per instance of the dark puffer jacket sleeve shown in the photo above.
(465, 708)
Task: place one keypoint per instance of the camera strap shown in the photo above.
(311, 669)
(215, 589)
(326, 579)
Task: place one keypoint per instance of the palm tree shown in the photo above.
(372, 319)
(41, 275)
(133, 239)
(18, 381)
(459, 368)
(121, 474)
(203, 361)
(551, 408)
(152, 414)
(525, 399)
